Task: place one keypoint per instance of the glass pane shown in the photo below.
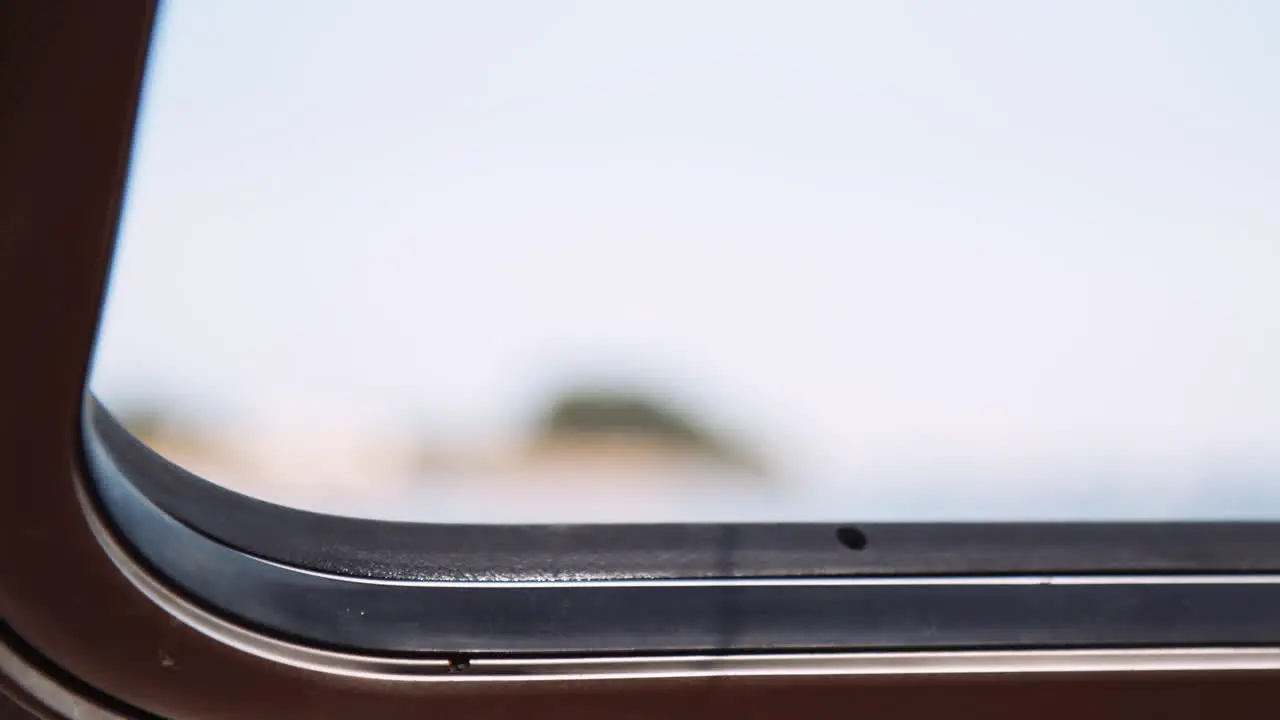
(563, 261)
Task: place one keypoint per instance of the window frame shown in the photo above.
(463, 593)
(74, 76)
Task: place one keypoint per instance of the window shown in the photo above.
(130, 585)
(707, 262)
(986, 288)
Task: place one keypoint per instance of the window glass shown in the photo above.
(709, 260)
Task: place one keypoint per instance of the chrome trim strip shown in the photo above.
(891, 663)
(48, 691)
(533, 669)
(241, 638)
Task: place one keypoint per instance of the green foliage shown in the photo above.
(145, 422)
(614, 413)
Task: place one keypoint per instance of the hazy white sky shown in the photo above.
(864, 235)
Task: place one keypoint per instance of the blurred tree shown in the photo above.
(158, 423)
(144, 421)
(579, 415)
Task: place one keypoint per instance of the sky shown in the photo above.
(868, 238)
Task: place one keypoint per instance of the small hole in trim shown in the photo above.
(852, 538)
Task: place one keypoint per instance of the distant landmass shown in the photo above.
(600, 436)
(631, 428)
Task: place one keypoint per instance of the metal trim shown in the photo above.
(675, 666)
(47, 690)
(242, 638)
